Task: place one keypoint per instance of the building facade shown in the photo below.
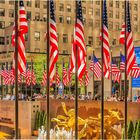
(36, 11)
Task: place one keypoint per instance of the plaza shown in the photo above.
(69, 69)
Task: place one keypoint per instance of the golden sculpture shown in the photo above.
(90, 127)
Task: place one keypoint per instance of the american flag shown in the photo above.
(131, 58)
(12, 77)
(33, 78)
(106, 48)
(122, 35)
(80, 41)
(64, 75)
(53, 42)
(97, 67)
(135, 71)
(57, 77)
(44, 78)
(5, 74)
(23, 29)
(86, 77)
(122, 62)
(69, 73)
(28, 77)
(116, 73)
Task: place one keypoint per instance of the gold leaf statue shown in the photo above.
(90, 128)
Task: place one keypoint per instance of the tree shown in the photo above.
(130, 130)
(134, 131)
(137, 135)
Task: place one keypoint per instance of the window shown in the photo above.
(2, 24)
(26, 37)
(90, 40)
(44, 5)
(122, 16)
(29, 16)
(117, 4)
(135, 28)
(37, 36)
(97, 12)
(97, 2)
(110, 25)
(2, 40)
(122, 5)
(135, 17)
(135, 7)
(37, 16)
(37, 4)
(61, 19)
(29, 4)
(98, 42)
(90, 22)
(65, 38)
(61, 7)
(2, 12)
(68, 20)
(111, 14)
(117, 26)
(2, 1)
(84, 10)
(114, 42)
(84, 21)
(90, 12)
(117, 15)
(11, 13)
(45, 17)
(111, 3)
(7, 40)
(11, 2)
(97, 23)
(69, 8)
(65, 51)
(11, 23)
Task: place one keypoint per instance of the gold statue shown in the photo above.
(90, 128)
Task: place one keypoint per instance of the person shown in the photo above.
(138, 100)
(135, 97)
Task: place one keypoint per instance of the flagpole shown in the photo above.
(16, 70)
(131, 88)
(111, 73)
(55, 79)
(31, 78)
(26, 80)
(125, 84)
(120, 77)
(93, 74)
(76, 85)
(69, 78)
(102, 78)
(62, 76)
(2, 83)
(48, 76)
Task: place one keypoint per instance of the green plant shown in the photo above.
(134, 131)
(40, 119)
(130, 130)
(137, 136)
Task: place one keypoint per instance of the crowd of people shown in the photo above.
(38, 96)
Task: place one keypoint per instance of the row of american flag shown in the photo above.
(79, 47)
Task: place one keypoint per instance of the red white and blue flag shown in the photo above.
(95, 66)
(131, 58)
(53, 42)
(105, 39)
(23, 29)
(122, 62)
